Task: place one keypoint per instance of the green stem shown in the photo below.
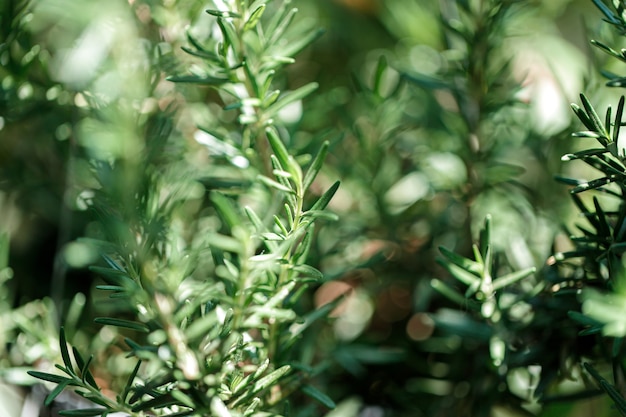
(284, 271)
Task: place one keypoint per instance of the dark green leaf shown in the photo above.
(597, 183)
(582, 116)
(323, 201)
(55, 393)
(595, 119)
(309, 271)
(115, 277)
(226, 209)
(583, 154)
(129, 382)
(316, 394)
(617, 82)
(160, 401)
(615, 395)
(115, 288)
(453, 295)
(85, 412)
(296, 329)
(463, 275)
(57, 379)
(604, 230)
(426, 81)
(582, 319)
(315, 167)
(65, 354)
(279, 149)
(4, 251)
(566, 398)
(304, 247)
(229, 34)
(223, 14)
(586, 134)
(485, 241)
(194, 79)
(379, 74)
(617, 347)
(133, 325)
(607, 49)
(320, 214)
(291, 97)
(460, 323)
(376, 355)
(252, 78)
(200, 53)
(618, 123)
(84, 368)
(611, 18)
(93, 397)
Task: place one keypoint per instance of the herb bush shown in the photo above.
(173, 167)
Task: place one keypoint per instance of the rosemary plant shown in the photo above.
(582, 289)
(441, 144)
(209, 336)
(595, 265)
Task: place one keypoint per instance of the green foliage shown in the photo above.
(212, 336)
(180, 166)
(595, 265)
(587, 279)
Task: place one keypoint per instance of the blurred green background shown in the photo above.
(400, 143)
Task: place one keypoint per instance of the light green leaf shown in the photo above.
(270, 379)
(308, 271)
(224, 242)
(511, 278)
(218, 408)
(254, 18)
(462, 262)
(305, 39)
(279, 24)
(285, 160)
(291, 97)
(274, 184)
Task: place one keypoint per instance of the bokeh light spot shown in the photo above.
(420, 327)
